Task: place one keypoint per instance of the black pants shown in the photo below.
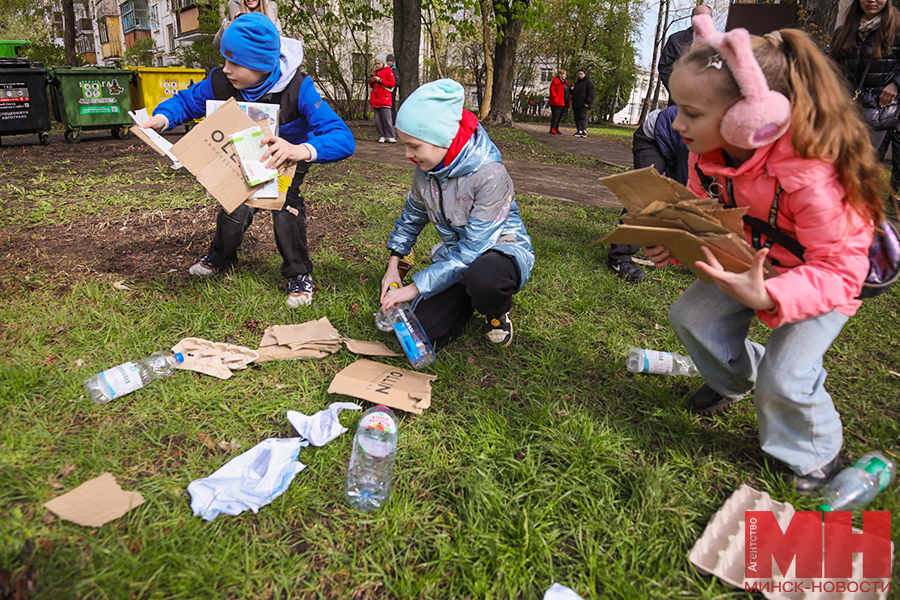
(555, 116)
(487, 286)
(581, 117)
(892, 141)
(290, 232)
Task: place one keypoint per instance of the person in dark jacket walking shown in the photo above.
(867, 49)
(395, 92)
(675, 44)
(582, 97)
(559, 99)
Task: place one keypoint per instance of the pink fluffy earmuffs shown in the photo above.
(763, 115)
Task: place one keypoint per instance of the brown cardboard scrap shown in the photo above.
(368, 348)
(638, 189)
(311, 331)
(139, 133)
(662, 212)
(213, 358)
(268, 353)
(313, 339)
(384, 384)
(206, 152)
(94, 502)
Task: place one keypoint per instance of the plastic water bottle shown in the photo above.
(857, 485)
(371, 469)
(382, 320)
(660, 363)
(130, 376)
(411, 335)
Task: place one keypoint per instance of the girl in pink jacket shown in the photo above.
(799, 157)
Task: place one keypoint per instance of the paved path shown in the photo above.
(581, 186)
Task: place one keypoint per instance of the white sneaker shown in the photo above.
(204, 268)
(300, 291)
(392, 140)
(381, 140)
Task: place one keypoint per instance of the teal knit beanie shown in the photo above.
(432, 112)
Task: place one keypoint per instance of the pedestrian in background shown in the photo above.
(675, 44)
(395, 92)
(559, 99)
(582, 97)
(382, 83)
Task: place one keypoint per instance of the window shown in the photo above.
(85, 25)
(546, 74)
(154, 18)
(85, 43)
(360, 67)
(135, 15)
(58, 28)
(170, 38)
(104, 33)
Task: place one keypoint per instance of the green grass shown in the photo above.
(545, 461)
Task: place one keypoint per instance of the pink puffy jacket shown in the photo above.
(811, 210)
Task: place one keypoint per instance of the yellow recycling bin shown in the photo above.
(153, 85)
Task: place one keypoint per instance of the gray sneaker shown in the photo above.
(204, 268)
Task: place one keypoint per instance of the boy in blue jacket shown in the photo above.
(460, 184)
(260, 66)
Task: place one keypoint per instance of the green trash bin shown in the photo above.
(13, 48)
(88, 98)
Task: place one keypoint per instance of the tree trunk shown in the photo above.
(407, 31)
(823, 13)
(68, 7)
(486, 39)
(504, 70)
(655, 103)
(657, 44)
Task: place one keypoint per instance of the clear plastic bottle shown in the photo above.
(130, 376)
(660, 363)
(858, 484)
(382, 320)
(371, 469)
(411, 335)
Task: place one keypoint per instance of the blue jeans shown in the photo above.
(798, 423)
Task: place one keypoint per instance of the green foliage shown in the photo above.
(202, 54)
(338, 48)
(27, 20)
(140, 54)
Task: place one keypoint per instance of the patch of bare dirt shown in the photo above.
(137, 246)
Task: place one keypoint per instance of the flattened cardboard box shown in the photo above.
(207, 153)
(384, 384)
(94, 502)
(684, 226)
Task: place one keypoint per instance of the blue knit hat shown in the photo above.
(252, 41)
(432, 112)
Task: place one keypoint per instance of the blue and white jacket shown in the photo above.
(305, 118)
(472, 205)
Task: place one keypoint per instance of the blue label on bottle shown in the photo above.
(407, 341)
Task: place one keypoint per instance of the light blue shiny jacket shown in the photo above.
(472, 205)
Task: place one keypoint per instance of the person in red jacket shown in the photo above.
(559, 99)
(382, 83)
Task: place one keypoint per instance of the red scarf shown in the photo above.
(467, 126)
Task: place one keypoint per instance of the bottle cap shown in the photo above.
(179, 357)
(825, 508)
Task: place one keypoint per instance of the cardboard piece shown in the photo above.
(94, 502)
(662, 212)
(368, 348)
(206, 152)
(313, 339)
(384, 384)
(213, 358)
(161, 145)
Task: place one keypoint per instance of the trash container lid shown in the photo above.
(15, 63)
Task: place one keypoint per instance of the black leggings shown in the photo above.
(487, 286)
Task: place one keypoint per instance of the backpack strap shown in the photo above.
(758, 226)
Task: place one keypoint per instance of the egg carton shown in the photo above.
(720, 552)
